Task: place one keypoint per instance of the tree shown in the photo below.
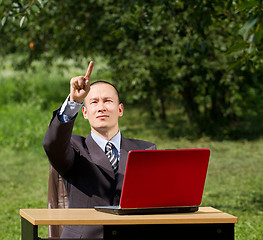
(159, 51)
(170, 50)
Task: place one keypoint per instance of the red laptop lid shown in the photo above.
(164, 178)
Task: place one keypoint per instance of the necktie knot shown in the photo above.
(112, 157)
(109, 146)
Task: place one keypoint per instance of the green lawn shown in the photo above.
(234, 183)
(235, 174)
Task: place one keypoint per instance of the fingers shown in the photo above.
(81, 82)
(89, 71)
(78, 82)
(80, 85)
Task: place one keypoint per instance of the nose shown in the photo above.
(101, 107)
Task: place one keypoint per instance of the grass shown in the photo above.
(235, 174)
(23, 184)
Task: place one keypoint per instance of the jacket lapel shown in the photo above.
(125, 148)
(98, 156)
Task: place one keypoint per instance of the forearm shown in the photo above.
(57, 144)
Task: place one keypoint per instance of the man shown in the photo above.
(92, 169)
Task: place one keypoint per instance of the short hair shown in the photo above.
(101, 81)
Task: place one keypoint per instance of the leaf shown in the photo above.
(22, 21)
(248, 4)
(244, 31)
(237, 47)
(17, 15)
(259, 34)
(35, 8)
(233, 65)
(40, 3)
(3, 20)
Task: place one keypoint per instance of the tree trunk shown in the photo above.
(162, 113)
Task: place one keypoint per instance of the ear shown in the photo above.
(85, 113)
(121, 109)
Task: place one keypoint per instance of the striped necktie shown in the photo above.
(111, 156)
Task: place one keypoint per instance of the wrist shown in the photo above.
(76, 100)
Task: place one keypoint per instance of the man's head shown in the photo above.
(102, 108)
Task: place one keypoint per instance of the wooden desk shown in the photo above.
(207, 223)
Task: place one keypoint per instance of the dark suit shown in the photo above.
(88, 175)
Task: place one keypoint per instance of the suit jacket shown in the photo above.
(86, 170)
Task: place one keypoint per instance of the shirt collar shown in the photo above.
(116, 140)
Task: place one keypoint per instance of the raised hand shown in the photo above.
(80, 86)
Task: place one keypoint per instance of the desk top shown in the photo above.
(92, 217)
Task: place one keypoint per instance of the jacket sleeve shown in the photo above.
(153, 147)
(57, 144)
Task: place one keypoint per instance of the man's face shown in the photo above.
(102, 109)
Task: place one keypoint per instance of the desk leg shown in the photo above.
(28, 230)
(176, 231)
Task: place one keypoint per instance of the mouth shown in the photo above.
(102, 116)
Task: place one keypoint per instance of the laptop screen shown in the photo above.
(164, 178)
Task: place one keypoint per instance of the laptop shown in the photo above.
(162, 181)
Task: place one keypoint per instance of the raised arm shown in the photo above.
(57, 140)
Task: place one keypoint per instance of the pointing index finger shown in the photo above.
(89, 71)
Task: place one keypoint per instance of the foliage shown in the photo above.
(168, 56)
(176, 51)
(250, 35)
(160, 52)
